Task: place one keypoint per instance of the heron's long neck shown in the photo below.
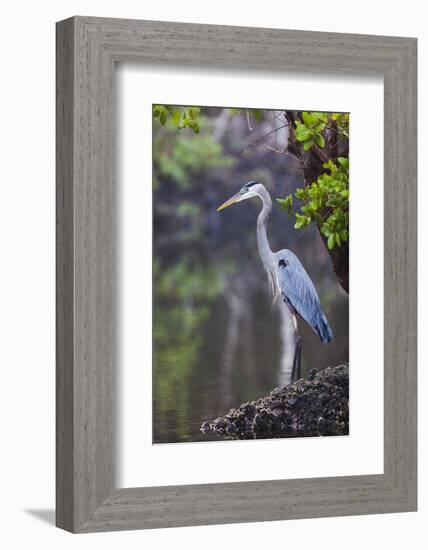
(262, 240)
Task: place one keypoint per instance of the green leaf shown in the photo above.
(307, 118)
(344, 162)
(314, 205)
(330, 241)
(308, 144)
(302, 221)
(287, 203)
(319, 140)
(301, 193)
(303, 133)
(337, 237)
(325, 230)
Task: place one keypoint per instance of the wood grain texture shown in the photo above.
(64, 277)
(87, 49)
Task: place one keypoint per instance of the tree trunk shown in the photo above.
(312, 165)
(340, 259)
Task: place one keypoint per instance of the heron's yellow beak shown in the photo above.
(229, 202)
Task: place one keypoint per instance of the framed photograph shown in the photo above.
(226, 305)
(236, 274)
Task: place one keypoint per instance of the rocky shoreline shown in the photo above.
(317, 406)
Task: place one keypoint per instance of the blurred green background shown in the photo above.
(217, 339)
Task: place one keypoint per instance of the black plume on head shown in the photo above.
(250, 184)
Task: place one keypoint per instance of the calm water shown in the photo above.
(218, 341)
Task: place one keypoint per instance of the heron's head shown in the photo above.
(250, 189)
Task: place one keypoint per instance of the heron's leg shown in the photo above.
(297, 360)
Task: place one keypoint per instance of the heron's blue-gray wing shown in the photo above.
(299, 292)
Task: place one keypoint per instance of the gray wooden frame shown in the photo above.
(87, 50)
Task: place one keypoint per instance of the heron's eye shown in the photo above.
(282, 263)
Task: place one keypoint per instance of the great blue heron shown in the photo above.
(287, 276)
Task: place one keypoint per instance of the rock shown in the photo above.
(206, 428)
(307, 408)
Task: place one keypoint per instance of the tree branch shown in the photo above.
(262, 138)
